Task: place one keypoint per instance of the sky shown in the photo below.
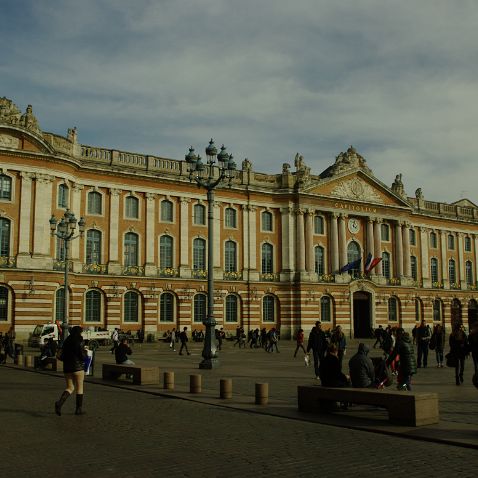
(268, 78)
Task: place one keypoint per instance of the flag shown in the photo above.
(351, 265)
(373, 263)
(368, 261)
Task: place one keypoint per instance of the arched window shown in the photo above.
(165, 252)
(452, 271)
(437, 310)
(131, 207)
(95, 202)
(325, 309)
(199, 254)
(319, 260)
(166, 211)
(413, 267)
(166, 307)
(231, 308)
(386, 265)
(267, 221)
(230, 256)
(392, 309)
(268, 309)
(3, 304)
(4, 237)
(199, 214)
(93, 306)
(59, 304)
(5, 187)
(130, 249)
(434, 269)
(469, 273)
(267, 265)
(413, 237)
(418, 310)
(318, 224)
(63, 195)
(433, 240)
(230, 217)
(93, 247)
(199, 307)
(131, 307)
(467, 244)
(353, 255)
(451, 241)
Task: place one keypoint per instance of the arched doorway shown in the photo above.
(455, 318)
(472, 313)
(362, 309)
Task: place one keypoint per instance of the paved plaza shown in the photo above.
(139, 431)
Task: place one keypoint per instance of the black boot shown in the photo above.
(60, 402)
(79, 404)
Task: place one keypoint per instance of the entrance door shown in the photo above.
(362, 315)
(472, 314)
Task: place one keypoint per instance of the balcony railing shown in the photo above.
(269, 276)
(394, 281)
(455, 285)
(95, 268)
(133, 271)
(199, 274)
(232, 275)
(472, 286)
(7, 262)
(168, 272)
(437, 285)
(327, 278)
(60, 265)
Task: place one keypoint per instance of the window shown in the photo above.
(166, 211)
(434, 269)
(451, 241)
(63, 195)
(131, 307)
(413, 267)
(392, 309)
(199, 214)
(132, 207)
(467, 244)
(319, 260)
(60, 250)
(437, 310)
(325, 309)
(165, 252)
(93, 247)
(199, 254)
(230, 263)
(3, 304)
(267, 262)
(451, 271)
(413, 237)
(95, 201)
(433, 240)
(4, 237)
(386, 265)
(385, 232)
(231, 308)
(267, 221)
(318, 225)
(268, 306)
(230, 217)
(130, 249)
(59, 305)
(166, 307)
(93, 306)
(418, 310)
(469, 273)
(199, 307)
(353, 255)
(5, 187)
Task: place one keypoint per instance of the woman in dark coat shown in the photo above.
(73, 355)
(459, 349)
(438, 340)
(408, 364)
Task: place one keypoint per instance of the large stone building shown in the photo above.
(280, 242)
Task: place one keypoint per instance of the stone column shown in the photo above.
(398, 250)
(334, 244)
(41, 228)
(251, 242)
(424, 257)
(444, 261)
(377, 232)
(461, 260)
(150, 268)
(475, 272)
(300, 231)
(309, 242)
(114, 266)
(25, 215)
(76, 191)
(287, 233)
(185, 240)
(407, 268)
(342, 241)
(370, 241)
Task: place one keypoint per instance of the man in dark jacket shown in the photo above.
(423, 336)
(362, 372)
(318, 344)
(122, 352)
(408, 365)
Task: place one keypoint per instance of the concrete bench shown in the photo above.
(404, 408)
(50, 363)
(141, 375)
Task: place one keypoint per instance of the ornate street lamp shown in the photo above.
(209, 175)
(65, 230)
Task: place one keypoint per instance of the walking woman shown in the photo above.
(300, 342)
(73, 356)
(438, 341)
(458, 349)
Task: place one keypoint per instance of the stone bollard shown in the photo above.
(168, 380)
(29, 361)
(225, 387)
(262, 393)
(19, 360)
(195, 383)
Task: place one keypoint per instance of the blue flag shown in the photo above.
(351, 265)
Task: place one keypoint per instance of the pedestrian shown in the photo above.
(273, 339)
(458, 349)
(437, 343)
(263, 338)
(387, 341)
(338, 338)
(329, 369)
(8, 340)
(122, 353)
(238, 335)
(362, 371)
(183, 337)
(115, 339)
(220, 335)
(378, 333)
(423, 336)
(73, 354)
(172, 343)
(473, 344)
(299, 340)
(318, 344)
(407, 366)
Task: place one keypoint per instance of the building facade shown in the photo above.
(280, 242)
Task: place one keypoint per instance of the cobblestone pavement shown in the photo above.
(128, 433)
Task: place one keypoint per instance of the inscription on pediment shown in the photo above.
(8, 141)
(356, 189)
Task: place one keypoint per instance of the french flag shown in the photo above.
(370, 263)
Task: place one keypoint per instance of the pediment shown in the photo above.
(12, 137)
(464, 203)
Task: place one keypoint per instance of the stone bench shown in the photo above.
(141, 375)
(404, 408)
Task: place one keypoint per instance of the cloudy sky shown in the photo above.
(269, 78)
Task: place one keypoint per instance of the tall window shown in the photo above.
(469, 273)
(59, 304)
(385, 232)
(231, 308)
(451, 271)
(386, 265)
(392, 309)
(131, 207)
(199, 254)
(199, 214)
(434, 269)
(230, 217)
(437, 310)
(60, 249)
(230, 261)
(325, 309)
(131, 307)
(268, 309)
(467, 244)
(131, 249)
(413, 237)
(165, 252)
(93, 306)
(451, 241)
(3, 304)
(433, 240)
(413, 267)
(93, 247)
(63, 195)
(199, 307)
(166, 211)
(318, 225)
(267, 266)
(95, 201)
(4, 237)
(319, 260)
(5, 187)
(267, 221)
(166, 307)
(353, 254)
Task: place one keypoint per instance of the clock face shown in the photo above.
(354, 226)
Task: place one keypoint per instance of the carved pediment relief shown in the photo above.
(8, 141)
(356, 189)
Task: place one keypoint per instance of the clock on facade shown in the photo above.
(354, 226)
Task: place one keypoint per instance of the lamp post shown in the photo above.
(209, 176)
(65, 230)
